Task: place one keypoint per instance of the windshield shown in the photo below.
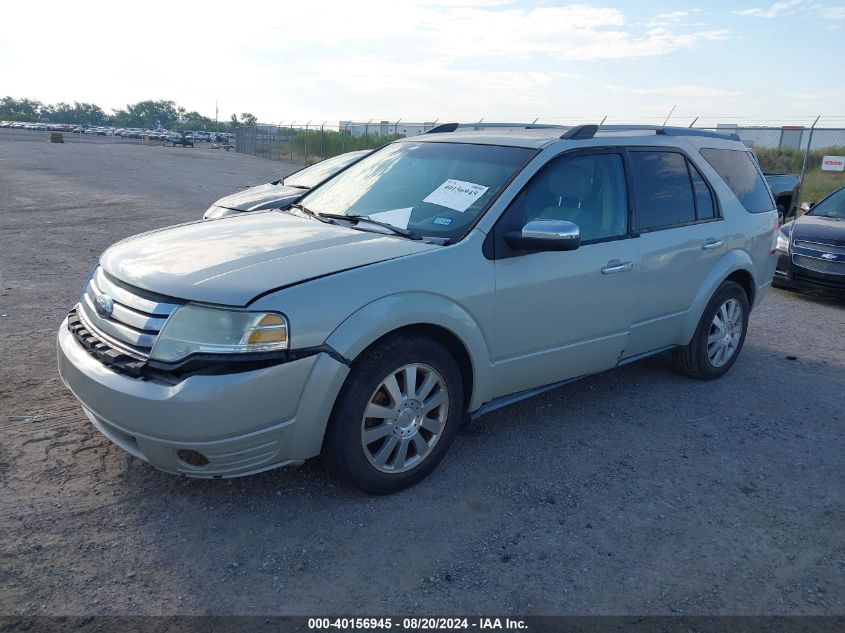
(433, 189)
(831, 207)
(312, 176)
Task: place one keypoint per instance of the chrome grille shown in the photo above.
(822, 248)
(136, 319)
(829, 267)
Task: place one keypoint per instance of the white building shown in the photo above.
(383, 128)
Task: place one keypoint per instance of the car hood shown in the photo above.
(233, 260)
(814, 228)
(267, 196)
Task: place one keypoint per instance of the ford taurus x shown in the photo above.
(439, 278)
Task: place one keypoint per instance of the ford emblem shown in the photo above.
(104, 306)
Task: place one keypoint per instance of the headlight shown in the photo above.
(782, 245)
(194, 329)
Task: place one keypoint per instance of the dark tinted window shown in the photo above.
(832, 207)
(587, 190)
(663, 190)
(703, 198)
(738, 170)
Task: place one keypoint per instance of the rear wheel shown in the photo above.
(396, 416)
(719, 336)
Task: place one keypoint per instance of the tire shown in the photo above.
(696, 359)
(425, 436)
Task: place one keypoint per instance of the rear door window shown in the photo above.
(663, 191)
(739, 171)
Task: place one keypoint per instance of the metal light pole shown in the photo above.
(306, 143)
(807, 153)
(367, 134)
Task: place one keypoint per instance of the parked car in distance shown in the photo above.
(182, 138)
(811, 249)
(441, 277)
(786, 190)
(280, 194)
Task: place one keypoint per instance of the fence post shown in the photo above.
(322, 155)
(305, 162)
(367, 134)
(807, 153)
(290, 140)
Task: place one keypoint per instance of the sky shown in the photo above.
(740, 61)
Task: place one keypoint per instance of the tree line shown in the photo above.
(143, 114)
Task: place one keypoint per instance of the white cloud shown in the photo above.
(672, 16)
(775, 10)
(796, 7)
(680, 91)
(829, 13)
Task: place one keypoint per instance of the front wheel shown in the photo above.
(719, 336)
(396, 416)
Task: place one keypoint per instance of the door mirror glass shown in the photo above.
(545, 235)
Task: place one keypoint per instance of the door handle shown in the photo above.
(621, 267)
(711, 244)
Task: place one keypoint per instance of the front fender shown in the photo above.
(390, 313)
(732, 261)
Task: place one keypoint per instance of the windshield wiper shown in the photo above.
(355, 219)
(322, 217)
(412, 235)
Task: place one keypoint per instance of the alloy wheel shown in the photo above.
(725, 333)
(404, 418)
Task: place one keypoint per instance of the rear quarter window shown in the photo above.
(739, 171)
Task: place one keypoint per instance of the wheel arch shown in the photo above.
(428, 314)
(735, 265)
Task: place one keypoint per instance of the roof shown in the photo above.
(541, 136)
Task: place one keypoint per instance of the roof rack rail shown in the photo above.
(544, 126)
(669, 131)
(581, 132)
(443, 127)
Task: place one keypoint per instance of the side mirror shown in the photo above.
(545, 235)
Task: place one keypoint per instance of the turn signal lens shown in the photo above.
(271, 328)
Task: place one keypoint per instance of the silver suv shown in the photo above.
(440, 278)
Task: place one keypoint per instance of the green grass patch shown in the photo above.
(788, 160)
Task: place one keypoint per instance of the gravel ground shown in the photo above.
(637, 491)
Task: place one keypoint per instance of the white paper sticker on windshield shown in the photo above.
(395, 217)
(456, 194)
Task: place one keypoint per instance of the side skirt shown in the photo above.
(504, 401)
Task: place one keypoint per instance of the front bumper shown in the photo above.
(242, 423)
(790, 275)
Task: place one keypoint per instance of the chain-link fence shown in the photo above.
(796, 150)
(307, 144)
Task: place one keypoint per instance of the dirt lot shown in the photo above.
(636, 491)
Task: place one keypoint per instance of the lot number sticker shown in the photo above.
(833, 163)
(456, 194)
